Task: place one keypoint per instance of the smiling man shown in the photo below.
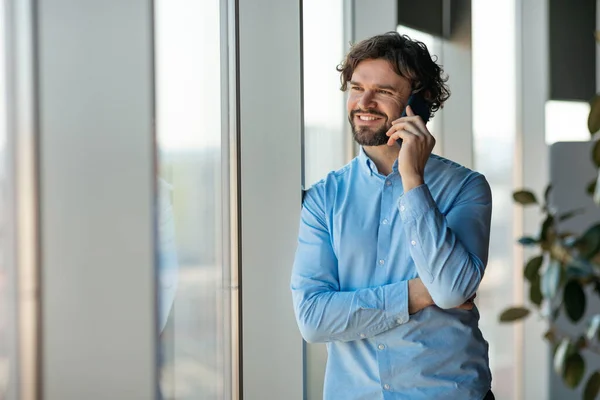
(393, 246)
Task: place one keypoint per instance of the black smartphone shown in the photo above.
(419, 106)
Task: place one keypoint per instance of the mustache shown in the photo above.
(368, 111)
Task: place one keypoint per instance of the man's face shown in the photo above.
(377, 97)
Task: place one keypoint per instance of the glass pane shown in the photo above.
(326, 136)
(566, 121)
(194, 309)
(325, 120)
(494, 60)
(7, 303)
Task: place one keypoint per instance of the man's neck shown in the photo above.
(383, 156)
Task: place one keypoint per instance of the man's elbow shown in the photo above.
(449, 299)
(311, 333)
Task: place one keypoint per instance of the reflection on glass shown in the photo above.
(325, 133)
(6, 301)
(194, 306)
(494, 64)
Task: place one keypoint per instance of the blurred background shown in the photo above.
(152, 158)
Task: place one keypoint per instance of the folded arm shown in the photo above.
(323, 312)
(450, 251)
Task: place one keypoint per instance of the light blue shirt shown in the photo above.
(168, 265)
(361, 239)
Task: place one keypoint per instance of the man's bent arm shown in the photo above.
(450, 252)
(324, 313)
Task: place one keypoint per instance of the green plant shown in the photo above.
(565, 268)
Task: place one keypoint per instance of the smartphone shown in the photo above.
(419, 106)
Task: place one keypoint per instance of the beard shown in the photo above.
(368, 136)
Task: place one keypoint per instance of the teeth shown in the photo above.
(365, 118)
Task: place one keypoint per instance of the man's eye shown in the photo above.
(385, 92)
(356, 88)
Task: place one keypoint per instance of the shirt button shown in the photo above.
(413, 243)
(362, 335)
(402, 208)
(386, 386)
(385, 222)
(399, 320)
(381, 347)
(388, 183)
(381, 262)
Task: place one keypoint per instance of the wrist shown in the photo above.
(411, 181)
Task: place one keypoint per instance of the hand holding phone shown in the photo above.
(420, 107)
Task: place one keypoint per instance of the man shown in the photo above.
(392, 247)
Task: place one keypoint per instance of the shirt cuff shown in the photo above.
(415, 203)
(396, 302)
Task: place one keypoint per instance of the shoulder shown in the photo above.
(321, 196)
(330, 182)
(451, 176)
(453, 170)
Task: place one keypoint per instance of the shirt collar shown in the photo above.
(369, 166)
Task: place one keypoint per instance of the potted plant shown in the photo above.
(565, 267)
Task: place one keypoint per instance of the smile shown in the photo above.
(367, 118)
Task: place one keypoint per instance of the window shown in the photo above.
(327, 140)
(194, 202)
(566, 121)
(7, 299)
(326, 135)
(494, 94)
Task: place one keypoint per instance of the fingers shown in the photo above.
(402, 130)
(411, 116)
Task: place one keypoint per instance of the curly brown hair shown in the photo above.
(409, 58)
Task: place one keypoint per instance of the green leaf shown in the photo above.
(547, 233)
(591, 188)
(574, 370)
(563, 350)
(574, 300)
(524, 197)
(593, 328)
(551, 279)
(596, 196)
(597, 288)
(594, 116)
(579, 268)
(532, 267)
(547, 193)
(527, 241)
(596, 153)
(550, 336)
(535, 291)
(570, 214)
(513, 314)
(592, 387)
(589, 243)
(581, 342)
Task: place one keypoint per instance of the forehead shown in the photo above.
(379, 72)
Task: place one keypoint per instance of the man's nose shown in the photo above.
(367, 100)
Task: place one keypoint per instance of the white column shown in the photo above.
(22, 225)
(97, 185)
(270, 121)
